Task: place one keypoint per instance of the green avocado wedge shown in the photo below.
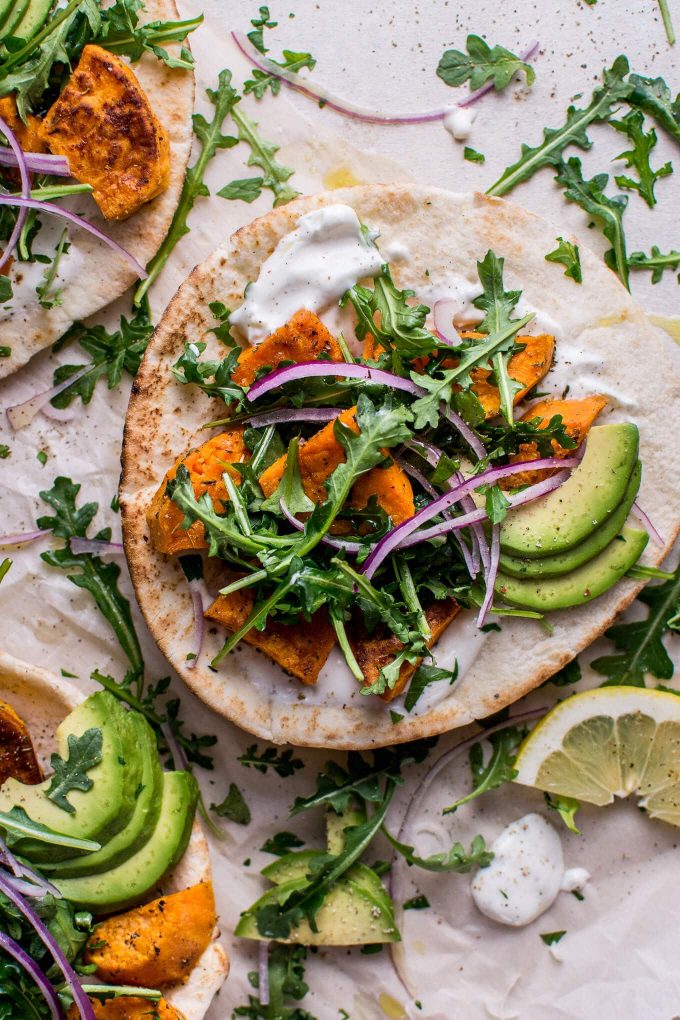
(564, 563)
(13, 15)
(123, 886)
(33, 19)
(298, 865)
(581, 585)
(349, 916)
(568, 515)
(103, 810)
(144, 817)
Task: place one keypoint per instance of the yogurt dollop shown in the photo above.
(458, 122)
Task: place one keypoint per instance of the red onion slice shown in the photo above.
(96, 547)
(286, 417)
(198, 599)
(13, 949)
(263, 974)
(21, 415)
(58, 210)
(491, 574)
(645, 520)
(345, 106)
(25, 191)
(443, 313)
(38, 163)
(395, 537)
(80, 999)
(21, 538)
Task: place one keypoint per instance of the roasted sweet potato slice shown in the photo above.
(157, 944)
(206, 465)
(29, 135)
(577, 415)
(303, 338)
(129, 1007)
(17, 757)
(376, 651)
(104, 124)
(300, 650)
(320, 456)
(527, 367)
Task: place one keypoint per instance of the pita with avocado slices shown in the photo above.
(106, 902)
(386, 467)
(95, 124)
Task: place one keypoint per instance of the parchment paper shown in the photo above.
(619, 957)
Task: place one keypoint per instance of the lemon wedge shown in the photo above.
(608, 743)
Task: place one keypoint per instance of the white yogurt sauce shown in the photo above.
(525, 875)
(575, 880)
(311, 267)
(458, 122)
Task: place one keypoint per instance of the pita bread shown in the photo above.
(91, 275)
(604, 343)
(42, 699)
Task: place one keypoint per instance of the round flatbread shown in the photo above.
(90, 274)
(42, 700)
(604, 344)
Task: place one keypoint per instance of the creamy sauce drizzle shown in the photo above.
(459, 122)
(526, 874)
(311, 267)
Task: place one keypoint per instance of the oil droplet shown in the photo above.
(670, 325)
(340, 177)
(391, 1008)
(610, 320)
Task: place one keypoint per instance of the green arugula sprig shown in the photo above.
(657, 262)
(283, 763)
(233, 807)
(638, 157)
(84, 752)
(402, 325)
(640, 649)
(498, 769)
(286, 973)
(482, 63)
(567, 254)
(262, 81)
(456, 859)
(590, 195)
(121, 32)
(497, 303)
(263, 154)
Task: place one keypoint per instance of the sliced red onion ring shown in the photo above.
(288, 416)
(395, 537)
(645, 520)
(335, 543)
(22, 538)
(22, 871)
(38, 163)
(491, 574)
(21, 415)
(25, 888)
(345, 106)
(25, 192)
(199, 597)
(443, 313)
(263, 974)
(317, 369)
(80, 999)
(96, 547)
(13, 949)
(417, 797)
(58, 210)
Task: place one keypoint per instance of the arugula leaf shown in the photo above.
(657, 262)
(639, 644)
(122, 33)
(567, 253)
(573, 132)
(48, 298)
(566, 807)
(569, 674)
(423, 677)
(639, 157)
(283, 764)
(261, 80)
(495, 502)
(256, 36)
(652, 96)
(609, 211)
(6, 292)
(233, 807)
(281, 844)
(416, 903)
(290, 489)
(263, 154)
(213, 377)
(455, 860)
(472, 156)
(93, 574)
(84, 753)
(209, 134)
(16, 825)
(286, 981)
(276, 920)
(110, 354)
(401, 325)
(552, 937)
(480, 64)
(246, 189)
(500, 767)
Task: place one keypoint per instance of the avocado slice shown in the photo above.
(564, 563)
(12, 17)
(33, 19)
(5, 8)
(350, 915)
(336, 825)
(568, 515)
(107, 806)
(143, 820)
(126, 884)
(297, 865)
(581, 585)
